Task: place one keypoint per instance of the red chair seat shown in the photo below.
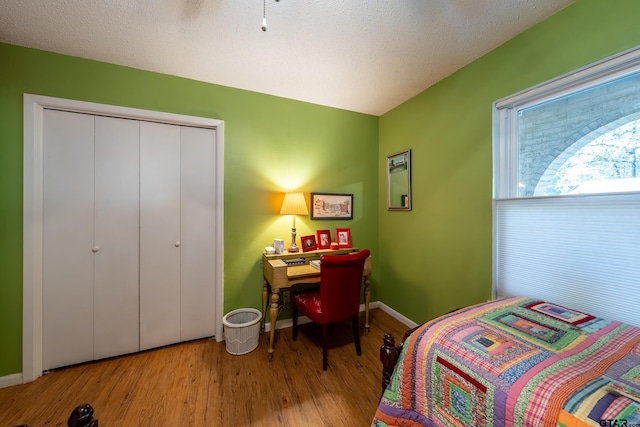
(310, 304)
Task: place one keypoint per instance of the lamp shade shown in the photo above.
(294, 204)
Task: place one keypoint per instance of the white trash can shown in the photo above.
(242, 330)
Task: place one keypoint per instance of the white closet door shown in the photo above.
(198, 184)
(116, 260)
(159, 234)
(68, 186)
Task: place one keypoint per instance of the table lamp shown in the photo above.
(294, 204)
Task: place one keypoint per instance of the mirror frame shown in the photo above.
(408, 200)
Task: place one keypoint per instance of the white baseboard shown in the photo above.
(391, 312)
(287, 323)
(9, 380)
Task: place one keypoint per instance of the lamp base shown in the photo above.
(293, 247)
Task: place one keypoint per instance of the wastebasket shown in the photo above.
(242, 330)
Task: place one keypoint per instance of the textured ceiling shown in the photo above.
(360, 55)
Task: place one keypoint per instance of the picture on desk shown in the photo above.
(343, 237)
(324, 239)
(309, 243)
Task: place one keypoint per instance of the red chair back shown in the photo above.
(340, 283)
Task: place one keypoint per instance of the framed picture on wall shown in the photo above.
(331, 206)
(343, 237)
(324, 239)
(308, 243)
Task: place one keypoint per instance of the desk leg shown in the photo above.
(265, 296)
(273, 314)
(367, 297)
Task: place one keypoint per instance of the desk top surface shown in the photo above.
(311, 254)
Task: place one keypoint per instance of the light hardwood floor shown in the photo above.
(200, 384)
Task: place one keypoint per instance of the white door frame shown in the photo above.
(33, 215)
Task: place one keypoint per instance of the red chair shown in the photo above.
(338, 298)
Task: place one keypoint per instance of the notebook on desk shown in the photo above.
(315, 263)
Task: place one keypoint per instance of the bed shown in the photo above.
(515, 362)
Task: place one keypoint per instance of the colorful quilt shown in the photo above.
(516, 362)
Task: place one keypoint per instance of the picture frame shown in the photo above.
(343, 237)
(331, 206)
(324, 239)
(308, 243)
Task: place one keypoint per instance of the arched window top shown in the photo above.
(597, 163)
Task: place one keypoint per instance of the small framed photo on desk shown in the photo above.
(324, 239)
(309, 243)
(343, 237)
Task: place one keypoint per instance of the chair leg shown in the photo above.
(324, 347)
(356, 335)
(294, 335)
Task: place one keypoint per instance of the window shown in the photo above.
(567, 190)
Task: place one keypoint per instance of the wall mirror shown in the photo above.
(399, 181)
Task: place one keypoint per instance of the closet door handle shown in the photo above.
(177, 244)
(95, 249)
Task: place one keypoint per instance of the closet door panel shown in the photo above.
(198, 183)
(116, 242)
(68, 194)
(159, 234)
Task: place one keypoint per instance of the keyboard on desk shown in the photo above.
(294, 261)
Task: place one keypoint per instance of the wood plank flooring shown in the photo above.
(200, 384)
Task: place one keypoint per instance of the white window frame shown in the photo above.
(613, 281)
(505, 120)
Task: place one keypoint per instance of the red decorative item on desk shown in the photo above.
(308, 243)
(324, 239)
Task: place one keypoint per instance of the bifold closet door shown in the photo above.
(90, 238)
(128, 236)
(116, 242)
(197, 218)
(177, 234)
(159, 234)
(68, 193)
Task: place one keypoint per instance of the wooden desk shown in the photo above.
(278, 278)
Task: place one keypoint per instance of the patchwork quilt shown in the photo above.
(516, 362)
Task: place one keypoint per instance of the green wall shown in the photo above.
(271, 145)
(438, 256)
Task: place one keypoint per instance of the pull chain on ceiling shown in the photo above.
(264, 14)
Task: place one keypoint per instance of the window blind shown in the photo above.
(582, 252)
